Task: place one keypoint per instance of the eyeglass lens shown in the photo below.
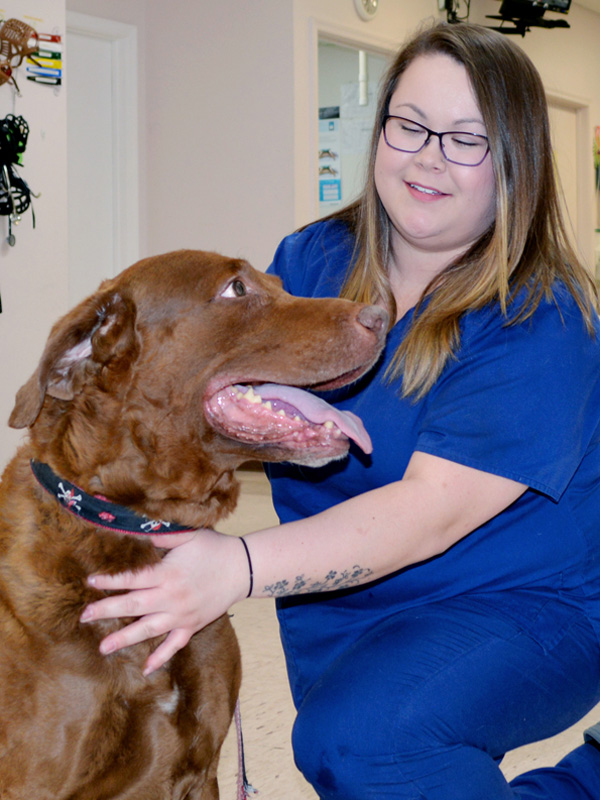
(460, 147)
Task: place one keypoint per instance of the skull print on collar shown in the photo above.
(97, 510)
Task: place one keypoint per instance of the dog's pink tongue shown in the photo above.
(315, 409)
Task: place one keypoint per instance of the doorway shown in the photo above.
(570, 128)
(102, 140)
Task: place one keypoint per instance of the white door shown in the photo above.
(102, 151)
(571, 145)
(563, 123)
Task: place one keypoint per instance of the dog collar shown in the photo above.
(96, 510)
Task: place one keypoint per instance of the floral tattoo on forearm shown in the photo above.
(332, 581)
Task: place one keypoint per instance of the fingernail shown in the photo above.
(92, 580)
(106, 648)
(86, 615)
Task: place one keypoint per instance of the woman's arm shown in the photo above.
(436, 504)
(376, 533)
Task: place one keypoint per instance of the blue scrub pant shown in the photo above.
(425, 703)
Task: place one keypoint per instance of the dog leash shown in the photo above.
(244, 788)
(104, 514)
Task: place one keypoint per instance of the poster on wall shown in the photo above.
(344, 138)
(330, 179)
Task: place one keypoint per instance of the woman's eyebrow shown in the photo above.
(423, 115)
(468, 120)
(412, 106)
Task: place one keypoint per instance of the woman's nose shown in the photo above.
(431, 154)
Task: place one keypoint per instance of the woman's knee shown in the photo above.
(416, 770)
(323, 757)
(345, 754)
(352, 745)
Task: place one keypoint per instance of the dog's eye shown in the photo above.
(235, 289)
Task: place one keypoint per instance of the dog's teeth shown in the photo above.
(328, 424)
(268, 405)
(252, 397)
(297, 418)
(281, 413)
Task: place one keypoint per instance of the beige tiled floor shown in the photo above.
(267, 709)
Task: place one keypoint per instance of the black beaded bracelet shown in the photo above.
(249, 566)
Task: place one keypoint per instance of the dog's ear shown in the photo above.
(99, 330)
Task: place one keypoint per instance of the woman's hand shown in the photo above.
(204, 573)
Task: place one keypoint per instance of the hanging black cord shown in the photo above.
(15, 194)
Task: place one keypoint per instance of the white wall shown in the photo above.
(221, 131)
(129, 12)
(217, 131)
(33, 273)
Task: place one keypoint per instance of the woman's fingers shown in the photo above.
(196, 581)
(147, 627)
(142, 579)
(131, 604)
(175, 641)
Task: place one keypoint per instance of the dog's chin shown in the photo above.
(306, 459)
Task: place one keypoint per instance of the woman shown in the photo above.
(440, 602)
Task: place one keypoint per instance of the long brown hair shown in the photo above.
(525, 248)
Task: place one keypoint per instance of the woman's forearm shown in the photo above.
(344, 546)
(376, 533)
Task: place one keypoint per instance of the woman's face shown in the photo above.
(435, 206)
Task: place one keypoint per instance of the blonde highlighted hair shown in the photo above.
(525, 248)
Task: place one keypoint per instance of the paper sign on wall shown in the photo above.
(330, 180)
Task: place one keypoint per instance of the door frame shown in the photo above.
(584, 231)
(306, 82)
(124, 83)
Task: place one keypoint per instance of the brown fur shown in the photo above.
(117, 406)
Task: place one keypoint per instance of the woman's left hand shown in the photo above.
(204, 573)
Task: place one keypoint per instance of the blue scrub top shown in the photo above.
(521, 401)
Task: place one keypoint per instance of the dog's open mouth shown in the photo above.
(284, 415)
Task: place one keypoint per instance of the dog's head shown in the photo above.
(186, 365)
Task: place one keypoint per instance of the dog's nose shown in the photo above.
(374, 318)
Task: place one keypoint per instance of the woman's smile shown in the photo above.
(424, 193)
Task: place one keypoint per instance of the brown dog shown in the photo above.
(137, 399)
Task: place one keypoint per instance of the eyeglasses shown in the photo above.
(459, 147)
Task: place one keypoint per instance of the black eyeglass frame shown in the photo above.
(431, 133)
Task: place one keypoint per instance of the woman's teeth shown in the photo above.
(423, 189)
